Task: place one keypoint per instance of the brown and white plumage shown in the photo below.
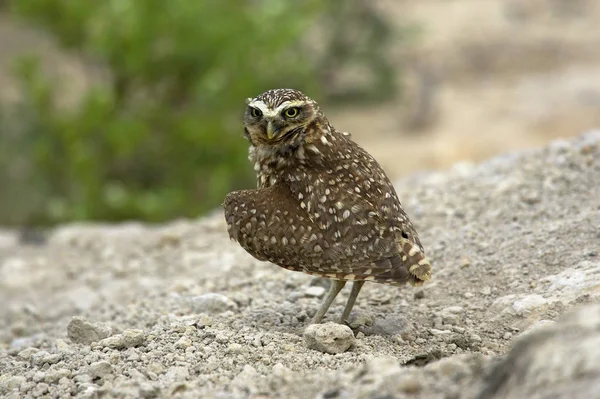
(323, 205)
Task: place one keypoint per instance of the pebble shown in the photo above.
(212, 303)
(82, 331)
(419, 294)
(314, 291)
(453, 367)
(53, 376)
(475, 337)
(128, 339)
(329, 337)
(435, 331)
(42, 357)
(15, 382)
(183, 343)
(100, 369)
(40, 389)
(392, 324)
(529, 303)
(26, 354)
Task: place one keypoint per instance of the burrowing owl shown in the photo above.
(323, 205)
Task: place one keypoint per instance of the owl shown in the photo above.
(323, 205)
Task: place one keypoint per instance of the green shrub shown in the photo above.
(159, 136)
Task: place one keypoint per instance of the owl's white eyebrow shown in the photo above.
(268, 112)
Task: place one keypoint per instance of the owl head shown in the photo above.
(280, 116)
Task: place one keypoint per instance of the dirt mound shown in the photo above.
(180, 311)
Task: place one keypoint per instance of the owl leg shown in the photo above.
(334, 289)
(356, 286)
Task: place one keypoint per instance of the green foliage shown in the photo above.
(159, 136)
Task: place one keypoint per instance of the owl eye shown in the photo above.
(291, 112)
(255, 112)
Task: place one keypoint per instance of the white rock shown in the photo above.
(314, 291)
(528, 303)
(100, 369)
(127, 339)
(82, 331)
(329, 337)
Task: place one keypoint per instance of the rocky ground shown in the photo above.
(180, 311)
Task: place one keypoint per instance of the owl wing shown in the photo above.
(358, 212)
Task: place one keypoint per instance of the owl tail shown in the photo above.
(419, 267)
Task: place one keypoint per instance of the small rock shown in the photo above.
(53, 376)
(100, 369)
(15, 382)
(247, 379)
(560, 361)
(419, 294)
(475, 337)
(452, 309)
(329, 337)
(529, 303)
(360, 319)
(468, 295)
(82, 378)
(461, 342)
(183, 343)
(128, 339)
(26, 354)
(487, 290)
(175, 374)
(212, 303)
(42, 357)
(82, 331)
(38, 376)
(435, 331)
(314, 291)
(235, 348)
(40, 389)
(391, 325)
(63, 346)
(280, 371)
(453, 367)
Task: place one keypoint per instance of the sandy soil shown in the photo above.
(180, 311)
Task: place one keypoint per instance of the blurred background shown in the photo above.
(122, 109)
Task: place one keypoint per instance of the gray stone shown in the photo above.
(26, 354)
(42, 357)
(329, 337)
(128, 339)
(558, 361)
(53, 376)
(392, 324)
(15, 382)
(82, 331)
(100, 369)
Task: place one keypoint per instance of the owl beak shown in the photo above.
(273, 130)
